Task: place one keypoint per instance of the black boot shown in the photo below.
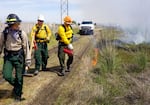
(62, 72)
(36, 72)
(68, 69)
(19, 98)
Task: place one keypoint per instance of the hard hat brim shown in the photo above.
(41, 20)
(68, 22)
(13, 22)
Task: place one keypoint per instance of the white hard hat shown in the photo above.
(41, 17)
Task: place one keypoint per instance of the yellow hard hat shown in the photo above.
(68, 20)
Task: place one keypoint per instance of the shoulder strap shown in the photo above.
(64, 27)
(37, 31)
(45, 29)
(70, 26)
(5, 32)
(20, 35)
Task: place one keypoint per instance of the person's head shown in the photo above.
(67, 20)
(13, 21)
(40, 19)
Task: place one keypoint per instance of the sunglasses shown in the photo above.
(40, 21)
(17, 23)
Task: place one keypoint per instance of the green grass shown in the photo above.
(109, 59)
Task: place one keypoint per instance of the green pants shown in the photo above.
(41, 56)
(61, 56)
(14, 62)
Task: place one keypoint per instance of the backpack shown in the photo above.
(57, 37)
(5, 32)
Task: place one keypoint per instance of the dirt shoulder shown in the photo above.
(49, 94)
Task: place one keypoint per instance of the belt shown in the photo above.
(62, 44)
(7, 52)
(40, 41)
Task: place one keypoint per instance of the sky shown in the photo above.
(120, 12)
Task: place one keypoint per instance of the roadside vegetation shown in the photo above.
(122, 72)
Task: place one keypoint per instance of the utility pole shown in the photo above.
(63, 9)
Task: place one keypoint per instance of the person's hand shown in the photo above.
(1, 55)
(70, 46)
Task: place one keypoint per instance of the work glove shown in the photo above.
(28, 62)
(70, 46)
(47, 39)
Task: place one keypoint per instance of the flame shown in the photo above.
(94, 60)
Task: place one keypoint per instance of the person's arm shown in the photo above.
(62, 34)
(49, 33)
(64, 37)
(26, 49)
(1, 42)
(33, 31)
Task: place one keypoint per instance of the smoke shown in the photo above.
(134, 36)
(123, 12)
(131, 14)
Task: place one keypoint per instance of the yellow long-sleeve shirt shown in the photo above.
(43, 33)
(66, 37)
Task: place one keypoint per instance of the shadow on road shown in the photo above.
(54, 69)
(5, 94)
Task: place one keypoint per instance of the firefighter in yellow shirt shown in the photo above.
(65, 33)
(41, 33)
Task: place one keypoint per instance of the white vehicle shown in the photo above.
(86, 28)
